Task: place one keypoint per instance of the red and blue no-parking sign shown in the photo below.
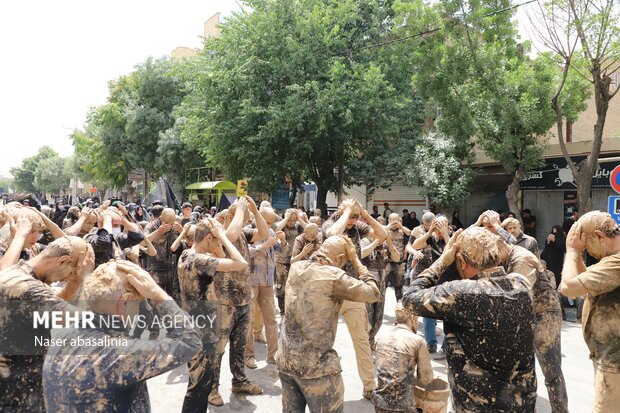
(614, 179)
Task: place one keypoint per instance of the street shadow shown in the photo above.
(237, 403)
(358, 406)
(266, 375)
(178, 375)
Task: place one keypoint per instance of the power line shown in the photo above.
(430, 31)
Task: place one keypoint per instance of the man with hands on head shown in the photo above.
(113, 378)
(597, 234)
(488, 319)
(234, 291)
(292, 226)
(346, 221)
(108, 239)
(162, 233)
(67, 259)
(308, 365)
(198, 267)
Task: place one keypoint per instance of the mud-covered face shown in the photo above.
(311, 233)
(514, 228)
(352, 220)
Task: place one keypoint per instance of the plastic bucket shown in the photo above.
(432, 398)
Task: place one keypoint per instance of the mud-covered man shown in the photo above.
(113, 378)
(292, 225)
(308, 365)
(395, 268)
(488, 319)
(234, 291)
(162, 233)
(597, 234)
(26, 286)
(197, 268)
(402, 361)
(347, 221)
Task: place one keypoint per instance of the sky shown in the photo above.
(58, 57)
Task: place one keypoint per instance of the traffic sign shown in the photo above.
(613, 207)
(614, 179)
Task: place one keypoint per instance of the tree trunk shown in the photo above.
(293, 194)
(514, 196)
(321, 199)
(583, 180)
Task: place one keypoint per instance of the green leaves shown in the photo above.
(44, 172)
(436, 166)
(136, 128)
(292, 89)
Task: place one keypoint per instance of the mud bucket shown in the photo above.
(432, 398)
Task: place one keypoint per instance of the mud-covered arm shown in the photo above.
(424, 369)
(505, 235)
(364, 289)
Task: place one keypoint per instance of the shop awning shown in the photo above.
(213, 185)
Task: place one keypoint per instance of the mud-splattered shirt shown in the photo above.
(165, 259)
(523, 241)
(314, 295)
(113, 378)
(196, 272)
(398, 239)
(355, 233)
(601, 312)
(400, 352)
(233, 288)
(488, 322)
(20, 383)
(284, 256)
(301, 242)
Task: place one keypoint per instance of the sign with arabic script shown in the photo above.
(556, 174)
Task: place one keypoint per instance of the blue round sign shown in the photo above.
(614, 179)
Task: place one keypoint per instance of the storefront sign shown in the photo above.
(556, 174)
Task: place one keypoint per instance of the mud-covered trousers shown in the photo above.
(375, 310)
(201, 377)
(321, 395)
(395, 274)
(549, 355)
(236, 321)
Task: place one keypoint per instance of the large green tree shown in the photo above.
(53, 175)
(297, 90)
(134, 129)
(24, 175)
(584, 39)
(478, 82)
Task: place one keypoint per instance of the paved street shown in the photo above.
(167, 391)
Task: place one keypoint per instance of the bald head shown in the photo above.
(600, 233)
(335, 248)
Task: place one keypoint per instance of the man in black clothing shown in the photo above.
(488, 319)
(375, 212)
(108, 240)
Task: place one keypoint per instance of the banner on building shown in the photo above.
(556, 174)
